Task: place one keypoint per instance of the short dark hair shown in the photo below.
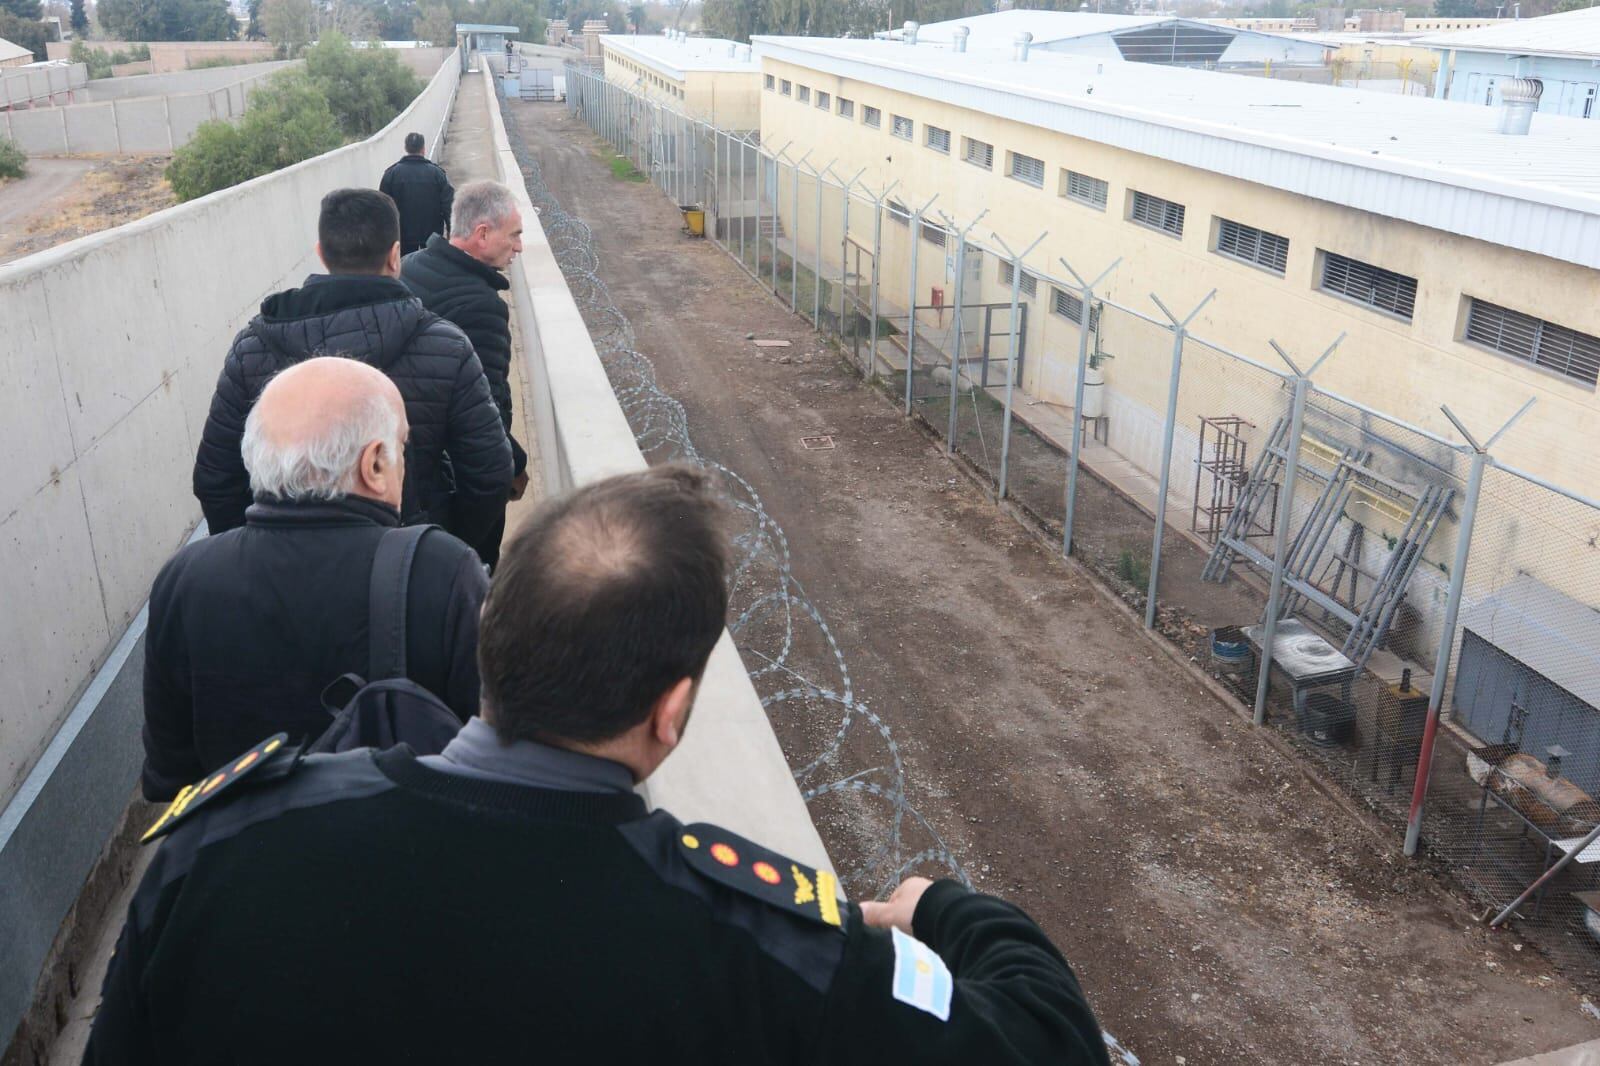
(604, 598)
(357, 229)
(414, 143)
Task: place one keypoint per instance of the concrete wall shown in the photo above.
(729, 769)
(1404, 368)
(112, 348)
(133, 123)
(183, 81)
(169, 56)
(37, 86)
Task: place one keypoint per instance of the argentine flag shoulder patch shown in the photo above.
(921, 979)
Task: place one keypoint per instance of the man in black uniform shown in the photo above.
(419, 188)
(512, 900)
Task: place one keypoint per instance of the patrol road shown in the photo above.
(1216, 905)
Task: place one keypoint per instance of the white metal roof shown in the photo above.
(998, 28)
(1433, 162)
(10, 50)
(1570, 33)
(677, 58)
(1551, 633)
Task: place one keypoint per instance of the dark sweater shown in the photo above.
(369, 909)
(248, 627)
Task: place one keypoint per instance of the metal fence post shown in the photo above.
(1447, 634)
(742, 146)
(794, 252)
(1280, 536)
(816, 270)
(955, 349)
(877, 253)
(760, 169)
(911, 301)
(1011, 352)
(1086, 319)
(777, 198)
(1179, 332)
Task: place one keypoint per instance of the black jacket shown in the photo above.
(321, 918)
(458, 461)
(422, 192)
(247, 628)
(457, 287)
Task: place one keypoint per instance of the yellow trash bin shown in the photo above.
(694, 220)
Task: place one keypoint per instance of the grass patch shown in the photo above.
(623, 169)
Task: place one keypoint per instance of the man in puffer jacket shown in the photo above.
(458, 460)
(460, 278)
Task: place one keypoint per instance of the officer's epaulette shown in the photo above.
(730, 859)
(267, 761)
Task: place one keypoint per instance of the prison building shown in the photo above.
(1558, 53)
(13, 54)
(1458, 262)
(1134, 38)
(707, 78)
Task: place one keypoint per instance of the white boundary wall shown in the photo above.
(26, 85)
(730, 769)
(110, 349)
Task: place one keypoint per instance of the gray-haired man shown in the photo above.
(460, 280)
(248, 627)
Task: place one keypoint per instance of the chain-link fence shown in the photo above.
(1314, 554)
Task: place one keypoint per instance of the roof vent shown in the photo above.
(1020, 45)
(1521, 99)
(959, 36)
(744, 52)
(911, 32)
(733, 49)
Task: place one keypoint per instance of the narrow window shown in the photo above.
(902, 127)
(824, 101)
(784, 87)
(1070, 307)
(1084, 189)
(847, 108)
(1533, 340)
(1374, 287)
(937, 139)
(978, 153)
(770, 82)
(871, 116)
(1158, 214)
(1250, 245)
(802, 94)
(1027, 169)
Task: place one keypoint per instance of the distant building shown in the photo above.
(1559, 52)
(1136, 38)
(1376, 20)
(14, 55)
(707, 78)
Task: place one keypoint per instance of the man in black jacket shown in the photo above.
(512, 900)
(419, 188)
(460, 279)
(248, 627)
(458, 466)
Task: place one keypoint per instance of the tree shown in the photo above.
(32, 10)
(638, 21)
(287, 24)
(80, 19)
(166, 20)
(436, 26)
(288, 120)
(25, 32)
(365, 88)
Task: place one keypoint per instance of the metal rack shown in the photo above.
(1224, 455)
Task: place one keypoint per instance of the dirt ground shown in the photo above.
(63, 199)
(1219, 907)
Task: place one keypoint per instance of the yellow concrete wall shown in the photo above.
(728, 99)
(1406, 369)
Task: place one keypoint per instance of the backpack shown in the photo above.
(390, 708)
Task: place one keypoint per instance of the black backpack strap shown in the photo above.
(386, 601)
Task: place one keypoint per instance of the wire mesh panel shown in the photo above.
(933, 318)
(1515, 780)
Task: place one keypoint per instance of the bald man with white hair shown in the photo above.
(248, 628)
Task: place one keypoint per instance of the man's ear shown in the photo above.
(374, 470)
(671, 713)
(321, 260)
(392, 266)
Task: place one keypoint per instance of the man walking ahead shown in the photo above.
(248, 627)
(461, 278)
(419, 188)
(458, 464)
(512, 900)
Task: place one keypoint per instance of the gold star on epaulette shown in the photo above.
(747, 867)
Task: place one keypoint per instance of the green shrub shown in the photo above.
(288, 121)
(13, 163)
(366, 87)
(1133, 569)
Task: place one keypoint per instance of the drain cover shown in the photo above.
(812, 444)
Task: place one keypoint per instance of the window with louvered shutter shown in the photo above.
(1366, 284)
(824, 101)
(1158, 214)
(937, 139)
(978, 153)
(902, 127)
(933, 235)
(1025, 168)
(1030, 284)
(802, 94)
(1258, 247)
(1070, 307)
(871, 116)
(770, 82)
(784, 86)
(1084, 189)
(1533, 340)
(899, 213)
(847, 108)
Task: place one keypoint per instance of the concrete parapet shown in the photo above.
(40, 86)
(112, 347)
(185, 81)
(730, 770)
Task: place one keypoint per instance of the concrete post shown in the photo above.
(1447, 633)
(1169, 427)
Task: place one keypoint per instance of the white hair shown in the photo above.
(480, 202)
(323, 465)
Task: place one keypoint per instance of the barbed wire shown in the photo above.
(791, 652)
